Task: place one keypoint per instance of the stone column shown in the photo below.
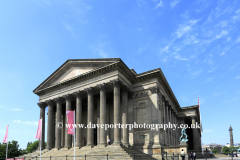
(170, 130)
(68, 137)
(50, 126)
(90, 134)
(103, 114)
(59, 120)
(117, 131)
(175, 131)
(164, 119)
(125, 115)
(194, 134)
(63, 127)
(167, 130)
(42, 106)
(78, 119)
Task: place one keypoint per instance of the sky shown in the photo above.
(195, 43)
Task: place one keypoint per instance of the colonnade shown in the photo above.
(63, 139)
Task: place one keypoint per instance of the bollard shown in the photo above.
(232, 155)
(178, 156)
(24, 157)
(50, 157)
(66, 157)
(166, 155)
(107, 156)
(36, 157)
(133, 155)
(173, 156)
(85, 157)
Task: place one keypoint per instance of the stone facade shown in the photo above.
(106, 91)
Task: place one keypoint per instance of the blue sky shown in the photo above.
(195, 43)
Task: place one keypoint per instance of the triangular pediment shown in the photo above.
(74, 68)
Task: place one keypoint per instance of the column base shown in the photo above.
(56, 149)
(79, 146)
(102, 145)
(116, 144)
(67, 147)
(126, 145)
(89, 145)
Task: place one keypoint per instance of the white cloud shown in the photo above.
(223, 33)
(17, 121)
(238, 40)
(212, 70)
(180, 58)
(237, 77)
(174, 3)
(237, 11)
(16, 109)
(185, 28)
(222, 53)
(69, 28)
(196, 74)
(190, 40)
(165, 49)
(209, 79)
(26, 122)
(160, 4)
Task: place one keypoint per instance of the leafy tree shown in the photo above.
(215, 150)
(232, 149)
(13, 149)
(31, 147)
(225, 150)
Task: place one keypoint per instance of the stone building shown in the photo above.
(106, 91)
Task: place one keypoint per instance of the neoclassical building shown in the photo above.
(106, 91)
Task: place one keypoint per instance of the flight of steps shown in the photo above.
(95, 153)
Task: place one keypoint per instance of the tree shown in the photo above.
(31, 147)
(225, 150)
(13, 149)
(215, 150)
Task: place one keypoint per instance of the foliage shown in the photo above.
(32, 146)
(215, 150)
(229, 150)
(13, 149)
(225, 150)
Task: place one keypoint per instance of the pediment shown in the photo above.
(74, 68)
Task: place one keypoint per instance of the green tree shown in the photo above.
(13, 149)
(31, 147)
(232, 149)
(225, 150)
(215, 150)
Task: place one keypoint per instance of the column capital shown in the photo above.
(49, 102)
(154, 89)
(42, 104)
(116, 82)
(193, 117)
(163, 98)
(102, 87)
(67, 96)
(77, 93)
(89, 90)
(125, 89)
(58, 99)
